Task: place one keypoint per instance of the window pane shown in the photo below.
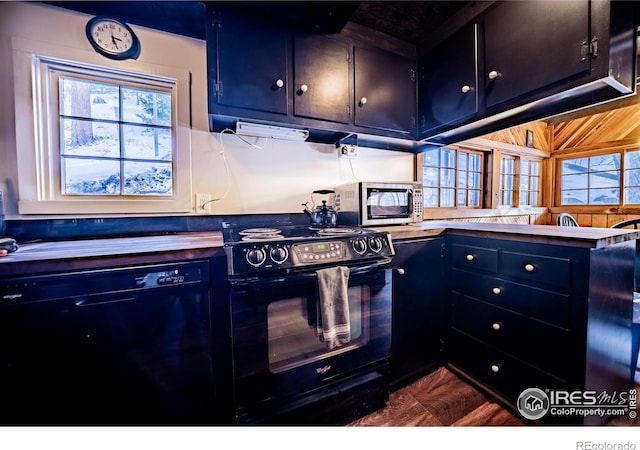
(431, 198)
(475, 162)
(448, 158)
(535, 168)
(632, 160)
(447, 197)
(574, 197)
(604, 196)
(462, 179)
(462, 161)
(524, 167)
(146, 142)
(474, 180)
(462, 198)
(600, 180)
(89, 99)
(431, 157)
(144, 106)
(575, 181)
(89, 138)
(90, 176)
(575, 165)
(430, 176)
(447, 177)
(147, 178)
(632, 195)
(474, 197)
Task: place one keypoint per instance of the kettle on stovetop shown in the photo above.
(323, 215)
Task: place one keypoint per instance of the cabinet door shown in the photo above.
(530, 45)
(418, 309)
(385, 91)
(322, 69)
(448, 92)
(252, 58)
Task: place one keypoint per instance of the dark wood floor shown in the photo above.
(441, 398)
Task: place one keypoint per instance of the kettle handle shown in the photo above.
(324, 191)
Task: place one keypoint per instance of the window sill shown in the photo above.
(465, 213)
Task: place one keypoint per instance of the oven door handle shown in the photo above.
(293, 277)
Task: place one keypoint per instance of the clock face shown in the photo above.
(112, 38)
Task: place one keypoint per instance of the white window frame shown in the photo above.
(38, 142)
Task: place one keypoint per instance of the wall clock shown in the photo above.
(112, 38)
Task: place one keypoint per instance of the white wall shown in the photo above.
(275, 178)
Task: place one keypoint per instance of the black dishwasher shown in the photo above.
(118, 346)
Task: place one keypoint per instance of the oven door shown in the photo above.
(278, 357)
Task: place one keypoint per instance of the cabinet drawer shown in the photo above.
(474, 258)
(544, 346)
(504, 374)
(537, 269)
(549, 306)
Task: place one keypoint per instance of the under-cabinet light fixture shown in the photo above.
(259, 130)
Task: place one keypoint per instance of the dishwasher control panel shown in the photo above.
(103, 281)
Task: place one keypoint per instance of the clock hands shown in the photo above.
(114, 39)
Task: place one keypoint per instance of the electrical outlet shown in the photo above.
(347, 151)
(203, 203)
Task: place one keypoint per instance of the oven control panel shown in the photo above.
(273, 255)
(318, 252)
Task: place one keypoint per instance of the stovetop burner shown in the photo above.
(235, 234)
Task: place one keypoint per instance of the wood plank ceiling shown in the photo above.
(615, 128)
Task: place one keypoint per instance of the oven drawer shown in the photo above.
(548, 306)
(542, 345)
(502, 373)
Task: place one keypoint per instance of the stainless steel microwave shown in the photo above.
(378, 203)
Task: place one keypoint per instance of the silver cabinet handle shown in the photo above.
(400, 271)
(280, 83)
(493, 74)
(529, 267)
(496, 326)
(363, 101)
(496, 290)
(466, 88)
(304, 88)
(495, 368)
(470, 257)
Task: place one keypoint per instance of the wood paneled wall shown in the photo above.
(610, 126)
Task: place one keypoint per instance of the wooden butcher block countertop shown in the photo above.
(579, 236)
(96, 253)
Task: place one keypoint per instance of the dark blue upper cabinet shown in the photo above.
(248, 63)
(277, 71)
(529, 60)
(531, 45)
(385, 91)
(448, 86)
(322, 77)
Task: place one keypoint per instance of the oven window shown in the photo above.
(387, 203)
(292, 327)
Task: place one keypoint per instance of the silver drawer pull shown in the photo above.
(470, 257)
(495, 368)
(529, 267)
(496, 326)
(400, 271)
(497, 290)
